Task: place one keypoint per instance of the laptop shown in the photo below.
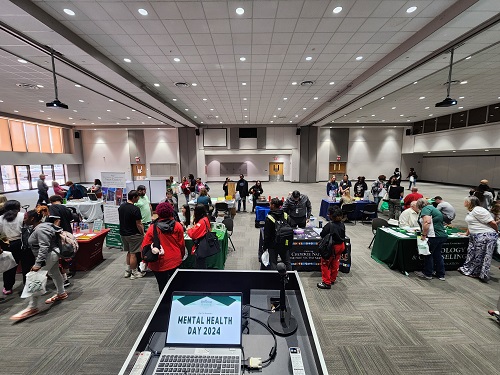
(204, 334)
(92, 196)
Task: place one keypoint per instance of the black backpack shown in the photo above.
(283, 232)
(147, 254)
(325, 246)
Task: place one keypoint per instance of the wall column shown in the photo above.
(188, 152)
(308, 154)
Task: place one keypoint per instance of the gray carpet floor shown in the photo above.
(373, 321)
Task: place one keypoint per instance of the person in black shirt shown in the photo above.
(131, 233)
(56, 208)
(256, 192)
(225, 186)
(242, 188)
(275, 214)
(344, 184)
(360, 187)
(395, 194)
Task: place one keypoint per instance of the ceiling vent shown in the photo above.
(210, 117)
(27, 86)
(182, 84)
(281, 117)
(307, 83)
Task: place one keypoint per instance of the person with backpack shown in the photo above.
(171, 239)
(298, 207)
(335, 230)
(75, 191)
(45, 244)
(278, 235)
(201, 225)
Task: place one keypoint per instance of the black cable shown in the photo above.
(261, 309)
(148, 346)
(274, 349)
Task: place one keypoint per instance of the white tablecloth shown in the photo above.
(230, 204)
(90, 210)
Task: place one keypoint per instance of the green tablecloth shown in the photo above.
(402, 254)
(216, 261)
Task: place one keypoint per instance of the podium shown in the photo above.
(258, 287)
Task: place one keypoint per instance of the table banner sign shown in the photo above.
(114, 193)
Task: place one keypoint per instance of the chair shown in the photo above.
(229, 223)
(377, 223)
(221, 207)
(347, 209)
(77, 218)
(368, 210)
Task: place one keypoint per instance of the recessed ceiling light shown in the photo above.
(81, 101)
(309, 58)
(361, 127)
(186, 109)
(274, 115)
(359, 58)
(408, 120)
(71, 118)
(401, 115)
(463, 82)
(453, 151)
(22, 61)
(111, 100)
(69, 12)
(279, 109)
(142, 122)
(332, 83)
(357, 120)
(149, 116)
(133, 110)
(243, 83)
(431, 115)
(422, 97)
(174, 99)
(211, 109)
(240, 11)
(393, 108)
(40, 101)
(306, 108)
(195, 116)
(143, 12)
(428, 152)
(460, 107)
(176, 59)
(486, 150)
(244, 98)
(315, 98)
(426, 107)
(296, 115)
(360, 107)
(117, 123)
(285, 98)
(39, 86)
(127, 60)
(246, 116)
(15, 110)
(98, 118)
(205, 99)
(291, 121)
(194, 84)
(373, 115)
(382, 98)
(468, 57)
(383, 120)
(415, 82)
(337, 10)
(75, 110)
(201, 122)
(243, 58)
(220, 122)
(1, 101)
(245, 109)
(108, 110)
(42, 111)
(461, 97)
(271, 121)
(128, 118)
(294, 83)
(157, 85)
(77, 85)
(411, 9)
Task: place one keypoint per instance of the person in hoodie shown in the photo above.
(269, 235)
(201, 225)
(172, 246)
(42, 242)
(298, 207)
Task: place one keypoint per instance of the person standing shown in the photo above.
(131, 233)
(483, 235)
(242, 188)
(378, 188)
(185, 188)
(345, 184)
(446, 209)
(412, 177)
(298, 207)
(397, 175)
(144, 205)
(172, 247)
(360, 187)
(43, 196)
(201, 226)
(395, 194)
(332, 187)
(56, 208)
(225, 186)
(192, 183)
(431, 222)
(276, 214)
(330, 266)
(413, 196)
(171, 199)
(256, 192)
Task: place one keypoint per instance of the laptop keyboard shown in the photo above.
(198, 364)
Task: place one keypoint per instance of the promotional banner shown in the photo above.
(114, 193)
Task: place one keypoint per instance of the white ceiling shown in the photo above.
(275, 37)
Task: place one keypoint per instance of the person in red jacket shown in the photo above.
(172, 246)
(201, 225)
(413, 196)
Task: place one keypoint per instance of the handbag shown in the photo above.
(35, 284)
(423, 247)
(208, 245)
(7, 261)
(147, 251)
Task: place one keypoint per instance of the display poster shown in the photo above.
(114, 193)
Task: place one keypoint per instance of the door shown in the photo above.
(276, 172)
(338, 167)
(23, 177)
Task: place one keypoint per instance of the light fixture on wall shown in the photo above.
(448, 102)
(55, 103)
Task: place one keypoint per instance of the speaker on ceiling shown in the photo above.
(77, 135)
(297, 132)
(408, 131)
(197, 131)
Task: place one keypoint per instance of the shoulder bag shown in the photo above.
(147, 251)
(207, 245)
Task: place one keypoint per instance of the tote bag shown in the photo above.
(208, 245)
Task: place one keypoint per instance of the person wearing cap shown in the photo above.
(144, 205)
(298, 207)
(43, 196)
(446, 209)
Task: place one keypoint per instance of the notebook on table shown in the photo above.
(204, 334)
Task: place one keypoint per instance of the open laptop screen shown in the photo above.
(205, 319)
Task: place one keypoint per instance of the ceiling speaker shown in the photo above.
(297, 132)
(197, 131)
(408, 131)
(77, 135)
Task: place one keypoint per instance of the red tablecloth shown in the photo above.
(89, 253)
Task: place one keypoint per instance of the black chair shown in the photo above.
(229, 223)
(347, 209)
(368, 210)
(221, 207)
(377, 223)
(77, 218)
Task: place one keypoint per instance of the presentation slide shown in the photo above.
(205, 320)
(215, 137)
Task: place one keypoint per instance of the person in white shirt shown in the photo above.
(409, 217)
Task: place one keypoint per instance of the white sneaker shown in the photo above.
(136, 275)
(127, 273)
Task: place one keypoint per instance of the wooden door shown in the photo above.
(276, 172)
(138, 171)
(338, 167)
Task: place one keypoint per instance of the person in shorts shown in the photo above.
(131, 233)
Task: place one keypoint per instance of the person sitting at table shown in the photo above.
(201, 225)
(330, 266)
(483, 235)
(298, 207)
(360, 187)
(96, 188)
(276, 214)
(185, 216)
(395, 194)
(75, 191)
(172, 246)
(256, 191)
(345, 184)
(413, 196)
(205, 200)
(58, 190)
(332, 187)
(409, 217)
(446, 209)
(346, 198)
(431, 222)
(171, 199)
(495, 212)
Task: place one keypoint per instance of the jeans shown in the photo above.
(394, 208)
(377, 200)
(284, 255)
(43, 198)
(52, 266)
(435, 261)
(414, 183)
(244, 200)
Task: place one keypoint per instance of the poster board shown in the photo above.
(114, 193)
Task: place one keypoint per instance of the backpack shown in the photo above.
(283, 232)
(68, 245)
(325, 246)
(147, 255)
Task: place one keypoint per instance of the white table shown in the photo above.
(90, 210)
(231, 203)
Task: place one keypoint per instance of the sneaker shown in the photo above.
(422, 275)
(136, 275)
(322, 285)
(7, 292)
(441, 278)
(69, 275)
(26, 313)
(56, 297)
(66, 283)
(127, 273)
